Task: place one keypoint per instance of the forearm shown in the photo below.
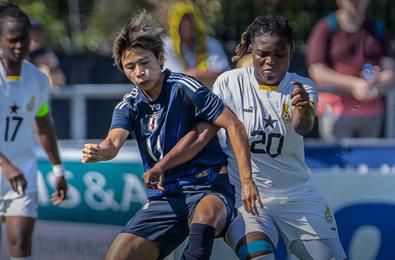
(385, 79)
(327, 77)
(239, 141)
(303, 119)
(188, 147)
(47, 137)
(3, 159)
(108, 150)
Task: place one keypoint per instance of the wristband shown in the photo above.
(58, 170)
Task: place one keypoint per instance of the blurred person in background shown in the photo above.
(277, 109)
(350, 54)
(43, 57)
(195, 199)
(23, 108)
(188, 47)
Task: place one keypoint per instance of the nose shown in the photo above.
(270, 60)
(140, 71)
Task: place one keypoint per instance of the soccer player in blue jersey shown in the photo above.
(194, 199)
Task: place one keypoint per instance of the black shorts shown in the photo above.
(165, 220)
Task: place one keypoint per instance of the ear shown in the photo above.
(161, 58)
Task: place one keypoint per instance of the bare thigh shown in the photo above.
(19, 234)
(211, 211)
(129, 246)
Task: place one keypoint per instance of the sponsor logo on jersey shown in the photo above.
(154, 107)
(153, 121)
(248, 110)
(328, 215)
(286, 114)
(30, 105)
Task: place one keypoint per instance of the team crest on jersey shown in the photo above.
(153, 122)
(286, 114)
(30, 105)
(328, 215)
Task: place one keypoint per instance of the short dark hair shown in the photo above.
(8, 10)
(142, 32)
(263, 25)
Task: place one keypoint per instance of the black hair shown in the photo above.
(8, 10)
(263, 25)
(142, 32)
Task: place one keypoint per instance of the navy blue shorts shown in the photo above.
(165, 220)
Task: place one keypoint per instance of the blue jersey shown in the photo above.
(160, 124)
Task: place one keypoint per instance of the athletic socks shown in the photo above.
(200, 245)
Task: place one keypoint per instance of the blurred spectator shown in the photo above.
(189, 49)
(340, 46)
(44, 58)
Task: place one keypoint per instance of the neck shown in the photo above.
(154, 92)
(348, 22)
(12, 68)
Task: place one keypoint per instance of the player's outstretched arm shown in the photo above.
(47, 136)
(107, 149)
(304, 112)
(239, 140)
(185, 149)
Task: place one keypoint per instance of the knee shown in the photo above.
(213, 213)
(20, 246)
(256, 250)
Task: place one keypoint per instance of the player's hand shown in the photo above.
(91, 153)
(300, 97)
(15, 177)
(61, 190)
(153, 178)
(250, 197)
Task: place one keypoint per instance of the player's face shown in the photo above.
(143, 68)
(271, 56)
(14, 40)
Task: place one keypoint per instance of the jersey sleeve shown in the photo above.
(220, 87)
(122, 116)
(43, 97)
(208, 106)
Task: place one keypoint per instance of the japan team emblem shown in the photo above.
(286, 114)
(30, 105)
(328, 215)
(153, 122)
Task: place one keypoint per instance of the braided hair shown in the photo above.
(263, 25)
(8, 10)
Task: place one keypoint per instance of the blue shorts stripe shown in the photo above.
(253, 248)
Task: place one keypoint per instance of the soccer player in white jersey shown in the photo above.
(23, 108)
(277, 108)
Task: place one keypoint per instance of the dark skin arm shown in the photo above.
(13, 174)
(47, 136)
(303, 113)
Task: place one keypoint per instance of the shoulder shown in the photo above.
(33, 71)
(235, 76)
(129, 98)
(325, 25)
(183, 81)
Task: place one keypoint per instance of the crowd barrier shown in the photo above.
(357, 177)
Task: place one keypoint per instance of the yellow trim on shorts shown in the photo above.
(44, 110)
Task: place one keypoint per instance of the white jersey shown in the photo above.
(277, 151)
(20, 100)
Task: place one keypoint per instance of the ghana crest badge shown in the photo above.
(30, 105)
(286, 114)
(328, 215)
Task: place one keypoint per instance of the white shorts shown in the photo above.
(296, 220)
(24, 206)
